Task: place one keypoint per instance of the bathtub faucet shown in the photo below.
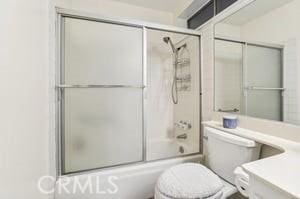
(182, 136)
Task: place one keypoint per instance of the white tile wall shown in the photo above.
(228, 75)
(188, 107)
(207, 68)
(291, 71)
(207, 77)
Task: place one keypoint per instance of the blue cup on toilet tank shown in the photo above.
(230, 121)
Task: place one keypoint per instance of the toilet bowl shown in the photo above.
(191, 180)
(223, 176)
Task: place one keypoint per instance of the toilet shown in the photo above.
(223, 175)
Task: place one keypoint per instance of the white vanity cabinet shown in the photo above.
(262, 190)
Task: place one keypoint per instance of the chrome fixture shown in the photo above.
(178, 63)
(182, 46)
(184, 125)
(174, 91)
(168, 40)
(186, 78)
(263, 88)
(183, 62)
(229, 111)
(182, 136)
(181, 149)
(63, 86)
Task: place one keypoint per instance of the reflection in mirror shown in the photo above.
(256, 61)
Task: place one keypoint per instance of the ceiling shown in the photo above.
(254, 10)
(163, 5)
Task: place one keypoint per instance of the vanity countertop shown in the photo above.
(282, 170)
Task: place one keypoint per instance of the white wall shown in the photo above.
(227, 30)
(207, 69)
(113, 8)
(24, 98)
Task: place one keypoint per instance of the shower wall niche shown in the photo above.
(115, 94)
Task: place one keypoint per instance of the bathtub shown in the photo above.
(166, 148)
(129, 182)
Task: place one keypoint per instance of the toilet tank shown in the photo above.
(226, 151)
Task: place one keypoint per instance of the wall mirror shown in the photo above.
(257, 61)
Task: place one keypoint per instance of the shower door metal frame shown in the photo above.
(244, 71)
(61, 13)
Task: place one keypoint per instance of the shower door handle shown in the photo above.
(229, 111)
(98, 86)
(263, 88)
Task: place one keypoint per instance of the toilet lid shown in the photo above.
(189, 180)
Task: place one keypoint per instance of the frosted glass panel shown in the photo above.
(264, 104)
(102, 53)
(103, 127)
(263, 67)
(263, 70)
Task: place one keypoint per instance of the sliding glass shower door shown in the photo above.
(102, 94)
(263, 82)
(115, 87)
(249, 79)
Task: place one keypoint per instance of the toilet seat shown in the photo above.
(188, 181)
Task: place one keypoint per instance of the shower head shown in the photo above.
(168, 40)
(174, 90)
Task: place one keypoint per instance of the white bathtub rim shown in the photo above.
(135, 166)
